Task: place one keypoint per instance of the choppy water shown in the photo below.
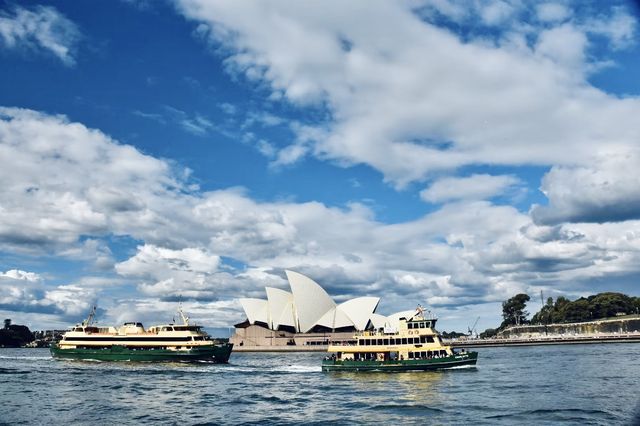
(579, 384)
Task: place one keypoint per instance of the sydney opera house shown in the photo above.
(306, 318)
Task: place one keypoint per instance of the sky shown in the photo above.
(445, 152)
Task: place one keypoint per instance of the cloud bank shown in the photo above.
(410, 98)
(466, 252)
(41, 28)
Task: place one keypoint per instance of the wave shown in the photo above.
(12, 371)
(554, 414)
(301, 369)
(273, 369)
(407, 407)
(25, 357)
(462, 367)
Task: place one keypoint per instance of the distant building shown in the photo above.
(307, 316)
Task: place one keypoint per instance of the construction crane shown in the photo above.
(472, 330)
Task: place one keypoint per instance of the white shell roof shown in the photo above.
(280, 306)
(256, 310)
(335, 318)
(288, 316)
(309, 305)
(359, 310)
(393, 320)
(311, 301)
(378, 321)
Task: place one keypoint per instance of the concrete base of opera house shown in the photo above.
(256, 338)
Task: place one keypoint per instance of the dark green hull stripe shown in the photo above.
(218, 354)
(405, 365)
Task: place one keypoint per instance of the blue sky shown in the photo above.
(447, 152)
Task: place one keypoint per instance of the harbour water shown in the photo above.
(571, 384)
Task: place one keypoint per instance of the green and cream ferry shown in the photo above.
(413, 345)
(131, 342)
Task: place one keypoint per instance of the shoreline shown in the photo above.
(573, 340)
(554, 340)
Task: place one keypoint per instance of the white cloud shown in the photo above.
(418, 99)
(152, 311)
(16, 274)
(606, 191)
(170, 273)
(23, 291)
(496, 12)
(67, 182)
(619, 27)
(564, 45)
(42, 28)
(64, 180)
(474, 187)
(197, 125)
(552, 12)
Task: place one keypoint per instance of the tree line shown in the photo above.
(563, 310)
(14, 335)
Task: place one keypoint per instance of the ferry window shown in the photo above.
(429, 339)
(380, 341)
(428, 324)
(404, 340)
(410, 355)
(386, 342)
(423, 339)
(410, 325)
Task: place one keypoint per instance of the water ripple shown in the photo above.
(544, 385)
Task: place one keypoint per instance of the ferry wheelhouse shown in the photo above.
(131, 342)
(414, 345)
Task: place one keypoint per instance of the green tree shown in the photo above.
(558, 312)
(604, 305)
(513, 310)
(544, 315)
(577, 310)
(601, 305)
(488, 333)
(15, 335)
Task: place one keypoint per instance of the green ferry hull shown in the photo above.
(468, 359)
(216, 354)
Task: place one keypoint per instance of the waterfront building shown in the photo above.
(306, 318)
